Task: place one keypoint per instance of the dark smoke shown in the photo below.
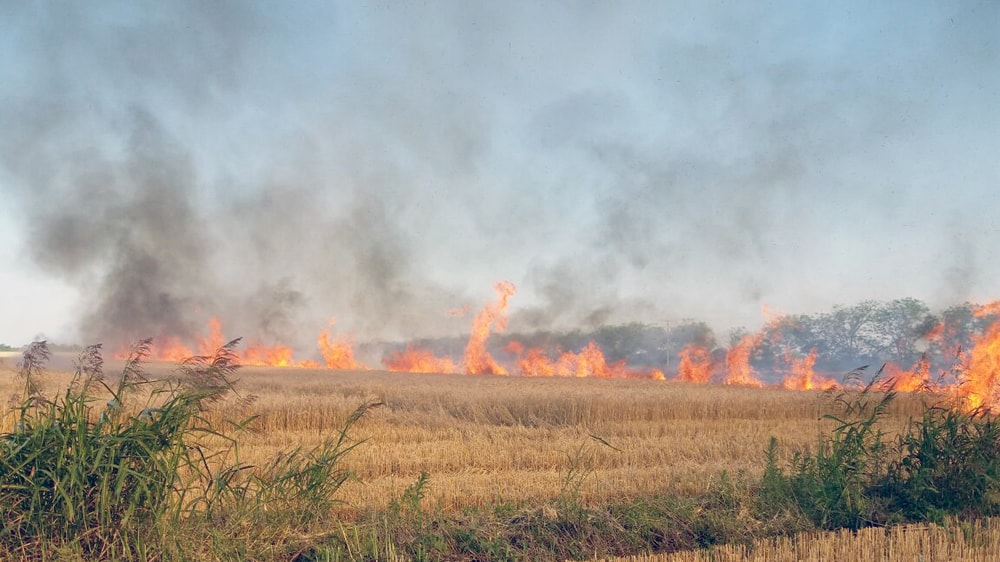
(282, 166)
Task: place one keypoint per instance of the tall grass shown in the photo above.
(946, 462)
(126, 470)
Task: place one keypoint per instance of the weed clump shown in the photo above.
(123, 471)
(944, 463)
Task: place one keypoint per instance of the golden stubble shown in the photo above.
(484, 439)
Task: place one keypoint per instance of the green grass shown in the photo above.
(946, 463)
(112, 478)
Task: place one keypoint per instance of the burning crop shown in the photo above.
(971, 379)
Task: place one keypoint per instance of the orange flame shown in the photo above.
(211, 343)
(170, 349)
(980, 386)
(739, 372)
(916, 379)
(269, 356)
(588, 362)
(338, 352)
(478, 360)
(695, 364)
(801, 375)
(414, 360)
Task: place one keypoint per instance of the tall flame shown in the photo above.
(980, 387)
(338, 352)
(739, 372)
(478, 360)
(214, 340)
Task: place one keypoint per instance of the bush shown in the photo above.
(124, 480)
(945, 463)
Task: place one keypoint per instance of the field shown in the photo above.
(952, 542)
(500, 451)
(483, 438)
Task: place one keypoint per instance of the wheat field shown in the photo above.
(952, 542)
(484, 439)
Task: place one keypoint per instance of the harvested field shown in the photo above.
(953, 542)
(483, 438)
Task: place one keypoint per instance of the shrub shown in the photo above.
(120, 481)
(945, 463)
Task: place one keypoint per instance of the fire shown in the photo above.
(269, 356)
(739, 372)
(338, 352)
(478, 360)
(980, 386)
(976, 384)
(214, 340)
(169, 349)
(588, 362)
(916, 379)
(801, 375)
(695, 364)
(414, 360)
(534, 362)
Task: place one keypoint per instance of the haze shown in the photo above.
(279, 165)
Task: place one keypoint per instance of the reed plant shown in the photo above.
(945, 462)
(125, 470)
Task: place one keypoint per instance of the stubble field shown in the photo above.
(484, 439)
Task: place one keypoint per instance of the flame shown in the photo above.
(338, 352)
(478, 360)
(980, 385)
(801, 375)
(414, 360)
(695, 364)
(269, 356)
(916, 379)
(169, 349)
(977, 382)
(209, 344)
(588, 362)
(739, 372)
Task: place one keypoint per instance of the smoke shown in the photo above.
(280, 167)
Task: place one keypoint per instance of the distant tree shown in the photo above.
(634, 342)
(899, 324)
(692, 332)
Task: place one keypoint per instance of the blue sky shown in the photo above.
(381, 163)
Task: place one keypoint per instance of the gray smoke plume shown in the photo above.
(281, 166)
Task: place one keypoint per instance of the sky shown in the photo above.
(282, 166)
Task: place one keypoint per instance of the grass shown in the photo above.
(178, 465)
(125, 471)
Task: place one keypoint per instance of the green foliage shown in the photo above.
(123, 480)
(947, 463)
(831, 485)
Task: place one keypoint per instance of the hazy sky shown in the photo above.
(279, 165)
